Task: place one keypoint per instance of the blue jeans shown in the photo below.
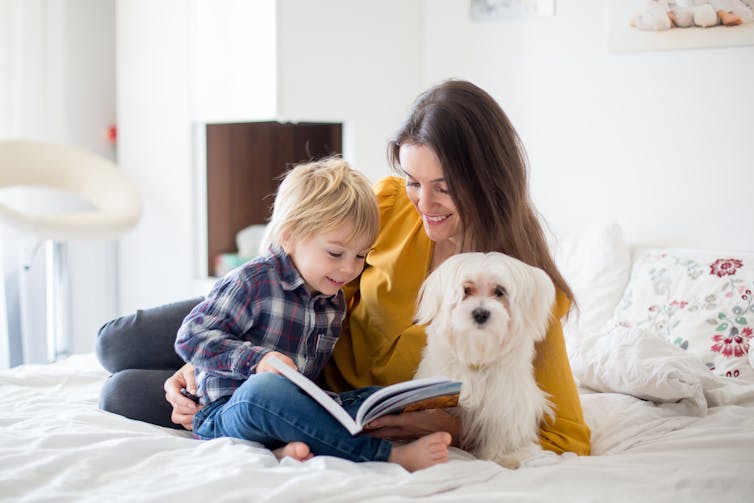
(271, 410)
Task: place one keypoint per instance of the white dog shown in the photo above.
(485, 313)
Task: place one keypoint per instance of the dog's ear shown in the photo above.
(441, 288)
(430, 297)
(539, 301)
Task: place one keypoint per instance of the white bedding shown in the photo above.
(664, 427)
(55, 445)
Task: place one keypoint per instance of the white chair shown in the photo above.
(113, 207)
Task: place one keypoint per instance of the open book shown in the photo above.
(419, 394)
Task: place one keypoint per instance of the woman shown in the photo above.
(462, 187)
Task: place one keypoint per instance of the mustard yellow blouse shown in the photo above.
(381, 345)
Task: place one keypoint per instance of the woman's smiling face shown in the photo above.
(428, 191)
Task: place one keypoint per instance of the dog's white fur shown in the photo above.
(501, 405)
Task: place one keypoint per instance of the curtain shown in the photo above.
(57, 84)
(22, 114)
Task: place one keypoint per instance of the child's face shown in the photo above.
(327, 261)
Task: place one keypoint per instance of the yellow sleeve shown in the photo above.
(568, 432)
(379, 344)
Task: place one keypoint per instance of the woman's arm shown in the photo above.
(184, 409)
(568, 432)
(413, 425)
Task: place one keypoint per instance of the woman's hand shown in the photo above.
(184, 408)
(413, 425)
(264, 363)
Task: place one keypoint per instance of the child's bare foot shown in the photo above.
(422, 453)
(728, 18)
(296, 450)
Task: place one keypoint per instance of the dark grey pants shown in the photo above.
(138, 350)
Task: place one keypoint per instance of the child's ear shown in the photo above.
(285, 242)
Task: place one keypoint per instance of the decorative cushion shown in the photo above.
(699, 301)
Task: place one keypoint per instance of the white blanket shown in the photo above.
(55, 445)
(638, 363)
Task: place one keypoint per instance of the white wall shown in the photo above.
(356, 61)
(232, 60)
(155, 149)
(660, 141)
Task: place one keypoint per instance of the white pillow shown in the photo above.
(701, 301)
(596, 264)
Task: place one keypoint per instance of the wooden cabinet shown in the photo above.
(244, 164)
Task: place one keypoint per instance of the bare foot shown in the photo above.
(422, 453)
(728, 18)
(296, 450)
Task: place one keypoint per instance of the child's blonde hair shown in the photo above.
(320, 196)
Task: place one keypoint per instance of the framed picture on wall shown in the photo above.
(646, 25)
(482, 10)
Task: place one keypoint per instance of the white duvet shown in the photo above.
(55, 445)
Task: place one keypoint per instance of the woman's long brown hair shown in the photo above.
(485, 168)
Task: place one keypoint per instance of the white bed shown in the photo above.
(691, 437)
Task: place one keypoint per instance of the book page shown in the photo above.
(318, 394)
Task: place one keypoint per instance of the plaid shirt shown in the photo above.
(259, 307)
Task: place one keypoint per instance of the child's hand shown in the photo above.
(264, 365)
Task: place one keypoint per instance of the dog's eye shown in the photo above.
(469, 289)
(499, 291)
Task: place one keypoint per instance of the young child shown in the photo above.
(288, 303)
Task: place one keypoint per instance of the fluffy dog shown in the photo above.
(485, 313)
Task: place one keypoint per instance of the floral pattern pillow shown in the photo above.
(701, 302)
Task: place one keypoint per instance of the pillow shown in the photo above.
(596, 263)
(699, 301)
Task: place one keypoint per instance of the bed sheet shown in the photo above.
(55, 445)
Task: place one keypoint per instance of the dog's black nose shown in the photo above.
(480, 315)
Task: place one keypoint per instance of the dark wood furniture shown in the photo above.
(244, 164)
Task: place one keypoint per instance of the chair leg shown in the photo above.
(59, 341)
